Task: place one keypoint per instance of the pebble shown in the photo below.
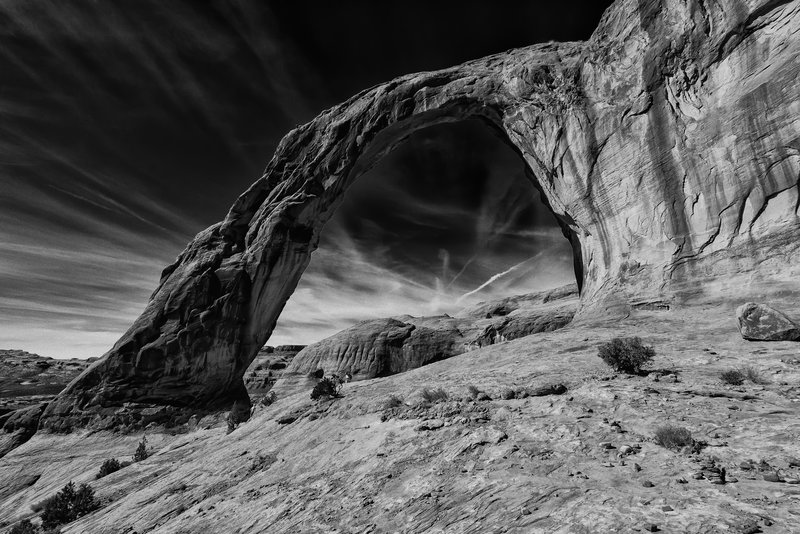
(647, 484)
(666, 508)
(525, 511)
(625, 449)
(650, 527)
(637, 467)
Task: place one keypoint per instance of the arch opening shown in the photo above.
(450, 216)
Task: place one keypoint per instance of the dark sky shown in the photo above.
(130, 125)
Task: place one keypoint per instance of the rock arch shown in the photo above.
(660, 144)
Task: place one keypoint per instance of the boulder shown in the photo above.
(759, 322)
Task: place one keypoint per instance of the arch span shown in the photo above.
(663, 202)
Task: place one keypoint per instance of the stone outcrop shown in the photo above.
(758, 322)
(268, 366)
(384, 347)
(667, 146)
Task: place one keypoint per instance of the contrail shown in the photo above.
(495, 277)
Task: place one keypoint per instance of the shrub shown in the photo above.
(24, 527)
(141, 451)
(109, 466)
(673, 437)
(68, 505)
(754, 376)
(733, 377)
(392, 402)
(269, 398)
(326, 387)
(626, 355)
(434, 395)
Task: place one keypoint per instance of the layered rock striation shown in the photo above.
(667, 146)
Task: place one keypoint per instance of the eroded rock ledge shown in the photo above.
(667, 145)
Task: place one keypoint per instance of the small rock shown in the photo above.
(625, 449)
(732, 479)
(792, 480)
(666, 508)
(606, 445)
(647, 484)
(525, 511)
(432, 424)
(287, 419)
(698, 475)
(483, 396)
(650, 527)
(681, 480)
(746, 466)
(637, 467)
(772, 477)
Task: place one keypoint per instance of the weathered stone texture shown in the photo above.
(668, 146)
(758, 322)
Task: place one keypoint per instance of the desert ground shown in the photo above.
(383, 459)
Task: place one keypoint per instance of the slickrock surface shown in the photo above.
(580, 461)
(666, 145)
(383, 347)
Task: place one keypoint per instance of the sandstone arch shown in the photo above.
(666, 148)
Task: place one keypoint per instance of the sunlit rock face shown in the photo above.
(668, 146)
(383, 347)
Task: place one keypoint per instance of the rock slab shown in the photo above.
(759, 322)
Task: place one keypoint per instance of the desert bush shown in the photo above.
(269, 399)
(111, 465)
(141, 451)
(626, 355)
(393, 401)
(434, 395)
(732, 377)
(24, 527)
(326, 387)
(754, 376)
(68, 505)
(673, 437)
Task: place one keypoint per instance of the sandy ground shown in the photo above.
(582, 461)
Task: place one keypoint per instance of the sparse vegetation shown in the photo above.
(68, 505)
(141, 451)
(111, 465)
(732, 377)
(433, 396)
(328, 386)
(673, 437)
(269, 398)
(392, 402)
(626, 355)
(737, 377)
(754, 376)
(24, 527)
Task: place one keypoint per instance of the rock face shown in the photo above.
(384, 347)
(268, 366)
(667, 145)
(758, 322)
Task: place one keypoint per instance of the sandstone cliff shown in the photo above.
(667, 145)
